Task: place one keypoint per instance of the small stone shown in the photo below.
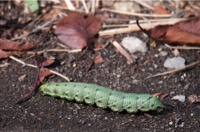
(74, 65)
(151, 69)
(134, 44)
(193, 98)
(176, 52)
(183, 76)
(180, 98)
(172, 92)
(176, 62)
(170, 123)
(32, 114)
(135, 81)
(118, 75)
(186, 86)
(153, 44)
(163, 53)
(155, 66)
(156, 55)
(160, 82)
(21, 78)
(179, 122)
(159, 49)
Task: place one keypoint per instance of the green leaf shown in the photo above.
(33, 5)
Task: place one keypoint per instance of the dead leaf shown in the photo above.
(193, 99)
(54, 12)
(163, 96)
(78, 30)
(10, 45)
(47, 62)
(44, 72)
(41, 75)
(6, 54)
(159, 9)
(98, 59)
(185, 32)
(8, 48)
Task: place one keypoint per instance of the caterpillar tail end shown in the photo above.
(160, 108)
(43, 87)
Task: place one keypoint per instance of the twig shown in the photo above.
(57, 50)
(66, 50)
(30, 65)
(133, 22)
(163, 20)
(135, 28)
(123, 52)
(182, 47)
(175, 70)
(136, 14)
(85, 6)
(70, 5)
(143, 3)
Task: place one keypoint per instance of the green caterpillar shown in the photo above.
(103, 97)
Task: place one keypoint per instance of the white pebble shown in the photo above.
(170, 123)
(176, 52)
(156, 55)
(176, 62)
(134, 44)
(163, 53)
(155, 66)
(180, 98)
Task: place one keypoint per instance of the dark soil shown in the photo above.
(47, 113)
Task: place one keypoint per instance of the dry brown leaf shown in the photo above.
(4, 54)
(193, 99)
(10, 45)
(159, 9)
(54, 12)
(185, 32)
(47, 62)
(41, 75)
(78, 30)
(44, 72)
(98, 59)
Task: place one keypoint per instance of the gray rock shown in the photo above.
(176, 62)
(180, 98)
(134, 44)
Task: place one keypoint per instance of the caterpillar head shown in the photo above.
(156, 104)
